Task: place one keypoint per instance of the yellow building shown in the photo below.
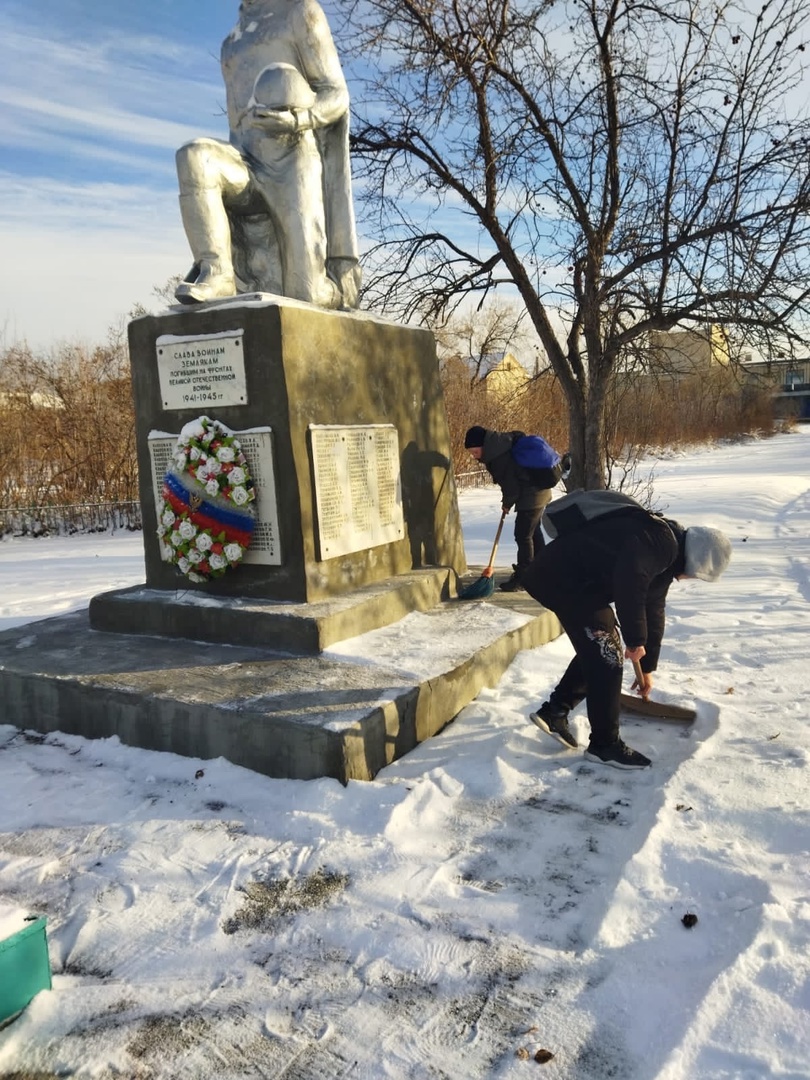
(500, 376)
(681, 353)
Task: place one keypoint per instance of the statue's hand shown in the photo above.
(275, 121)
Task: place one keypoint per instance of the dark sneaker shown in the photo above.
(511, 584)
(618, 756)
(554, 721)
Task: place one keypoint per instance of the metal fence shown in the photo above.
(66, 520)
(111, 516)
(477, 478)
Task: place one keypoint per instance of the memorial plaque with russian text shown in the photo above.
(358, 487)
(257, 444)
(207, 370)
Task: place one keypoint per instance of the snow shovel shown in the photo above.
(655, 710)
(485, 586)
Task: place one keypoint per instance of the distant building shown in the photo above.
(679, 354)
(36, 398)
(500, 376)
(682, 353)
(789, 381)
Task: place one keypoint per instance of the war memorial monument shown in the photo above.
(295, 474)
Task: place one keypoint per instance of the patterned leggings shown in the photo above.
(596, 671)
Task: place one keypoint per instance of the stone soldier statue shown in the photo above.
(271, 210)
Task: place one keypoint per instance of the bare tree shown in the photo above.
(624, 166)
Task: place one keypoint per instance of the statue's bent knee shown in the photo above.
(198, 164)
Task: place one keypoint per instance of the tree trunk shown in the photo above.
(587, 433)
(595, 435)
(576, 444)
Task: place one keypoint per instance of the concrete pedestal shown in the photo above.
(306, 368)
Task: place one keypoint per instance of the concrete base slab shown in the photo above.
(289, 626)
(345, 714)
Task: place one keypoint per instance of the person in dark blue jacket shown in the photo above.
(520, 488)
(628, 558)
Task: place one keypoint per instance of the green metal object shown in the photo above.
(24, 968)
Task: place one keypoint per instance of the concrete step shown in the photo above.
(295, 627)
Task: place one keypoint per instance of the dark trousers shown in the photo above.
(595, 673)
(528, 536)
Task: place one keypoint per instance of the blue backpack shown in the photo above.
(540, 460)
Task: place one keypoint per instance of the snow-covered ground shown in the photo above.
(488, 896)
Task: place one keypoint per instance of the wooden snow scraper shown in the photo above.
(655, 710)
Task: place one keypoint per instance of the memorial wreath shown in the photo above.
(205, 516)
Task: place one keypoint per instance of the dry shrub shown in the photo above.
(642, 412)
(650, 412)
(537, 407)
(67, 426)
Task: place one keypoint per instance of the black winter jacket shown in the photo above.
(629, 559)
(517, 487)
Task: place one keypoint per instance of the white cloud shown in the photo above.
(105, 90)
(33, 118)
(33, 203)
(88, 206)
(74, 274)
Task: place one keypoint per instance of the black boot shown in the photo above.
(553, 719)
(512, 584)
(618, 755)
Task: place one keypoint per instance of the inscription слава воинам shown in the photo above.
(208, 370)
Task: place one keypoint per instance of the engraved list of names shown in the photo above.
(358, 490)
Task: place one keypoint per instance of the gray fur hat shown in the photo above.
(707, 553)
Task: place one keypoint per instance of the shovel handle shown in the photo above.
(639, 676)
(491, 563)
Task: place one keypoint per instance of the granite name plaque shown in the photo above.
(358, 487)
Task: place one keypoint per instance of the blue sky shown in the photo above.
(95, 97)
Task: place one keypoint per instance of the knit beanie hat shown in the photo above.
(708, 553)
(474, 437)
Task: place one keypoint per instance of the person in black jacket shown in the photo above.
(628, 558)
(518, 488)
